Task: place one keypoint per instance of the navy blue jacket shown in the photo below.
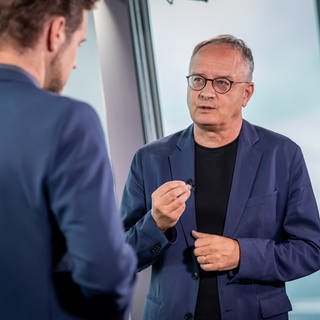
(272, 212)
(63, 250)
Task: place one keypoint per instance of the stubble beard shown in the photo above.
(55, 82)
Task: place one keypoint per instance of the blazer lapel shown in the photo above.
(247, 162)
(182, 168)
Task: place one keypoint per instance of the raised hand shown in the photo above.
(169, 202)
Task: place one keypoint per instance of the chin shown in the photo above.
(54, 86)
(204, 121)
(207, 126)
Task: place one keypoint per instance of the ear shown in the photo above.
(247, 93)
(56, 35)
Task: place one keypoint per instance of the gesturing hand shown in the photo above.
(216, 253)
(169, 202)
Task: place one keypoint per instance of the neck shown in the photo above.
(29, 60)
(213, 137)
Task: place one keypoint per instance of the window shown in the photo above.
(284, 38)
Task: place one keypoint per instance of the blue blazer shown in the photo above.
(272, 212)
(63, 250)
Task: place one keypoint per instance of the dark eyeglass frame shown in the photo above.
(213, 81)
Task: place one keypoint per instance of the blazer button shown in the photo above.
(188, 316)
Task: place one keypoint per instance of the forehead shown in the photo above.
(217, 60)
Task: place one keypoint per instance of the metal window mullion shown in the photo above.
(146, 77)
(318, 11)
(152, 70)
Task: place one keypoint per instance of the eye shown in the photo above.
(221, 85)
(222, 82)
(197, 80)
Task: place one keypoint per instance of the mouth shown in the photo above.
(206, 108)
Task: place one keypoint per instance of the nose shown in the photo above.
(207, 92)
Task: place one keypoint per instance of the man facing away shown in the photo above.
(224, 210)
(63, 248)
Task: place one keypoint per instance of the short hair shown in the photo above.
(22, 20)
(235, 43)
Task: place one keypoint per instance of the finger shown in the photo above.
(169, 185)
(199, 235)
(205, 239)
(175, 193)
(178, 202)
(201, 251)
(170, 196)
(202, 260)
(214, 267)
(203, 242)
(174, 198)
(171, 202)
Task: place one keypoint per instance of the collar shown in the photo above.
(14, 73)
(247, 135)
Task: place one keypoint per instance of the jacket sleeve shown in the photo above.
(82, 199)
(297, 253)
(141, 230)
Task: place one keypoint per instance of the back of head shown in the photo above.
(232, 41)
(21, 21)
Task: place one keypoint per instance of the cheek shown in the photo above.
(235, 101)
(74, 57)
(236, 106)
(191, 97)
(69, 64)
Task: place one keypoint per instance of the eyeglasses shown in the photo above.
(220, 85)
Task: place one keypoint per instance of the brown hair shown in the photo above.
(235, 43)
(22, 20)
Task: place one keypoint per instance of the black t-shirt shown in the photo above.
(213, 174)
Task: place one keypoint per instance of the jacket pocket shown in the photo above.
(274, 305)
(260, 200)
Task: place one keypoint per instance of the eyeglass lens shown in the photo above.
(221, 85)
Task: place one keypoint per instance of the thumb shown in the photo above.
(198, 235)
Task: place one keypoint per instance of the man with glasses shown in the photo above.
(223, 211)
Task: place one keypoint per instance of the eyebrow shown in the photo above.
(205, 76)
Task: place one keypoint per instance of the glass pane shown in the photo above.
(284, 38)
(85, 81)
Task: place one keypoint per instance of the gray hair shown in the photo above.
(232, 41)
